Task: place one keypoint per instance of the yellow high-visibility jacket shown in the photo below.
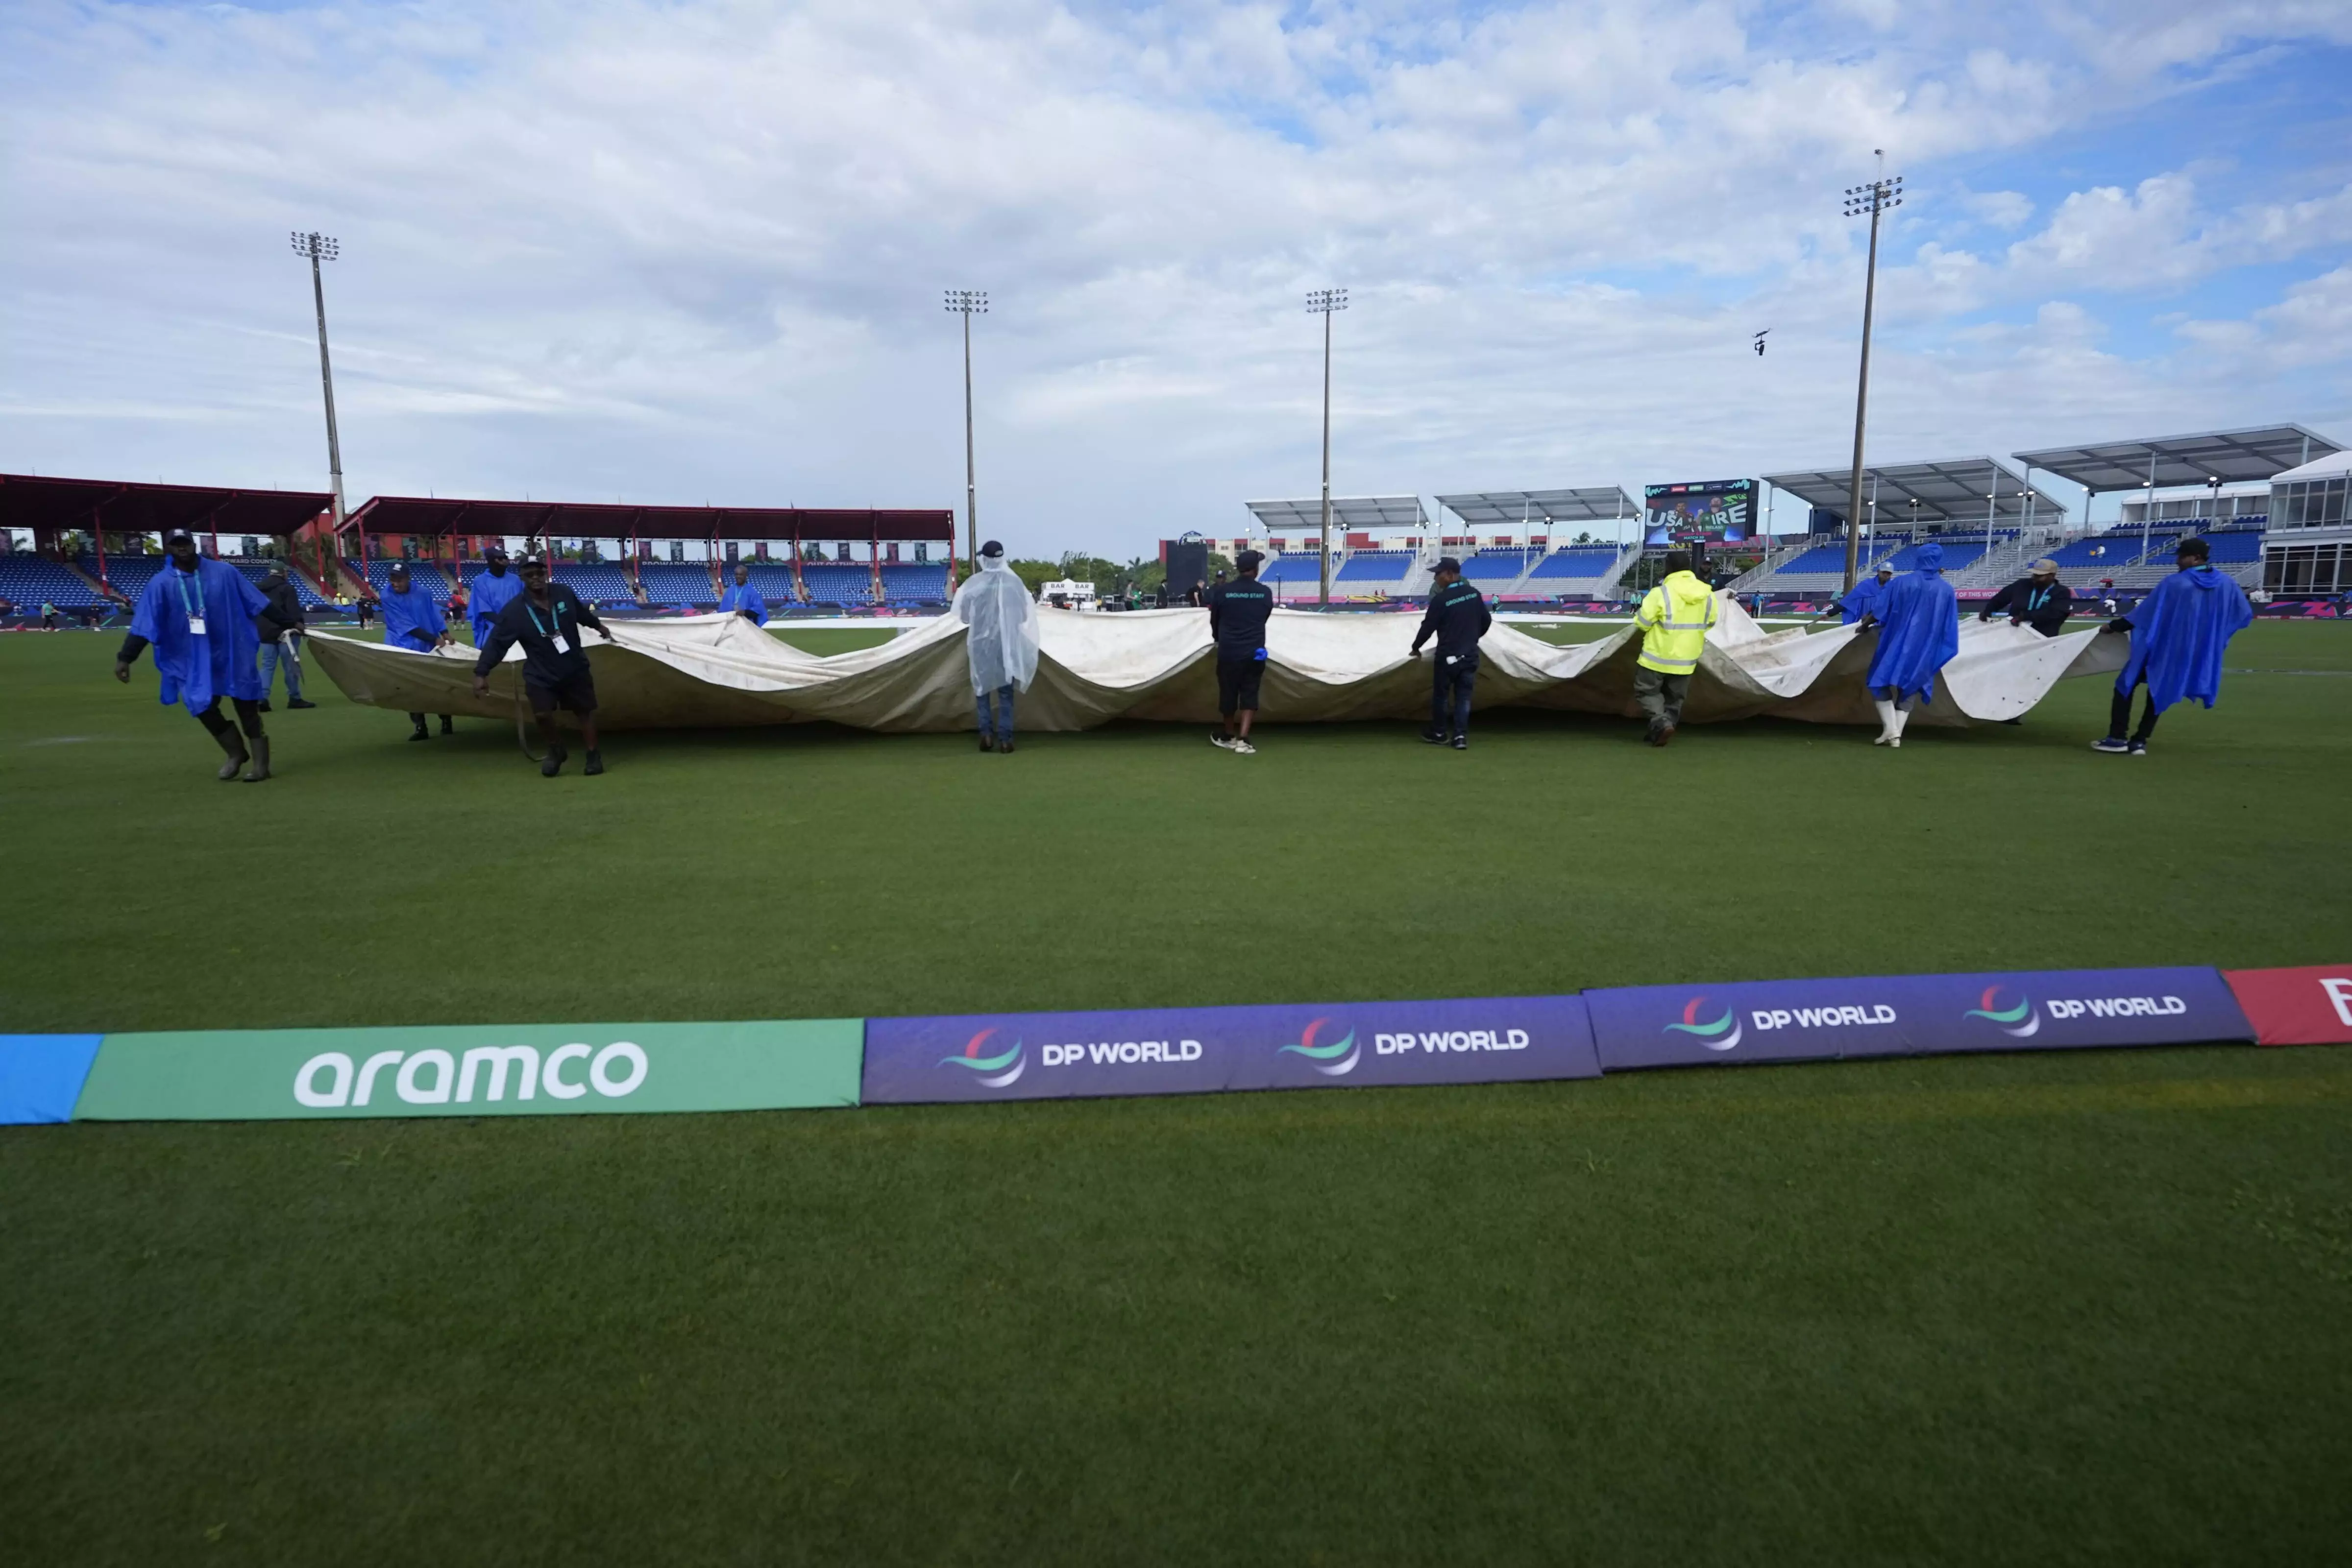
(1675, 619)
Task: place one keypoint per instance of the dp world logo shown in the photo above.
(1340, 1056)
(2021, 1020)
(1719, 1034)
(993, 1072)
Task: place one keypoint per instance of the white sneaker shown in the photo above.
(1243, 749)
(1219, 737)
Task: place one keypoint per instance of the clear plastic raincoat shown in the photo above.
(1000, 639)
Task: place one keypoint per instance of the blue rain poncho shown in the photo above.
(1918, 629)
(412, 620)
(199, 671)
(1001, 627)
(489, 595)
(1863, 599)
(2178, 633)
(745, 600)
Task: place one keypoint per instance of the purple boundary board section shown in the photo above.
(1908, 1015)
(1200, 1050)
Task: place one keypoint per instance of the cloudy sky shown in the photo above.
(661, 250)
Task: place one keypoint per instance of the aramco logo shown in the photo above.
(993, 1072)
(1727, 1027)
(2020, 1021)
(1340, 1056)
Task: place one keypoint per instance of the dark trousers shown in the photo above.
(2119, 715)
(1449, 696)
(249, 716)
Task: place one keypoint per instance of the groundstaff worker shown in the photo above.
(2177, 634)
(494, 589)
(198, 616)
(1457, 617)
(1000, 642)
(2037, 600)
(1238, 612)
(280, 628)
(413, 620)
(546, 618)
(1863, 597)
(744, 600)
(1674, 618)
(1919, 631)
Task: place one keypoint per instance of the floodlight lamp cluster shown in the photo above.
(1323, 301)
(316, 246)
(968, 302)
(1878, 196)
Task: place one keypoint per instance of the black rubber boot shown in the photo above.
(595, 764)
(260, 768)
(420, 732)
(265, 704)
(555, 763)
(1005, 744)
(234, 744)
(447, 728)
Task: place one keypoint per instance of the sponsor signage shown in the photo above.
(41, 1075)
(1903, 1015)
(2310, 1005)
(530, 1070)
(1199, 1050)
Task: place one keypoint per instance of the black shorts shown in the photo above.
(576, 693)
(1237, 682)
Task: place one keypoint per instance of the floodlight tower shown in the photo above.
(320, 247)
(1323, 302)
(1881, 195)
(967, 303)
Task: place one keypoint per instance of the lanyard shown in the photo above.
(196, 610)
(555, 614)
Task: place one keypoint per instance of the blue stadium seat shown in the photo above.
(29, 581)
(773, 578)
(1576, 562)
(1495, 566)
(839, 582)
(915, 582)
(677, 583)
(1376, 567)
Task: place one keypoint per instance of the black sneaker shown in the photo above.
(1435, 737)
(1005, 746)
(265, 704)
(447, 728)
(420, 732)
(988, 743)
(595, 764)
(555, 763)
(2114, 746)
(297, 702)
(1461, 743)
(2139, 748)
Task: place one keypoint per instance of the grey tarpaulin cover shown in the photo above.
(1158, 664)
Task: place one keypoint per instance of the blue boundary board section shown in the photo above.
(41, 1075)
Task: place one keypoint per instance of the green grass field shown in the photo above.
(2023, 1308)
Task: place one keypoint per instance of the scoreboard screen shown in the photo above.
(1707, 511)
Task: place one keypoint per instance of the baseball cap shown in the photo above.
(178, 535)
(2045, 567)
(1248, 560)
(991, 548)
(494, 552)
(1447, 563)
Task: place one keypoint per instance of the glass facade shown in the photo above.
(2307, 503)
(2324, 569)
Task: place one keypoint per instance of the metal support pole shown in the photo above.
(970, 474)
(1324, 593)
(1876, 198)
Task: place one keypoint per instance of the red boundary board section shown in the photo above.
(2310, 1005)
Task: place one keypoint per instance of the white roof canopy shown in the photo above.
(1357, 512)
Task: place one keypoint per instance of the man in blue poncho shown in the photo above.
(1863, 597)
(2178, 633)
(744, 600)
(1918, 622)
(413, 620)
(198, 614)
(493, 591)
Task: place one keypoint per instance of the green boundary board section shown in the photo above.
(522, 1070)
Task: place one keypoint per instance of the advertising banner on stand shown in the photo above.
(1199, 1050)
(499, 1069)
(2311, 1006)
(1905, 1015)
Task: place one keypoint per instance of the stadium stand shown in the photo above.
(598, 582)
(1376, 570)
(915, 583)
(423, 574)
(28, 580)
(1572, 563)
(1496, 568)
(1305, 566)
(675, 582)
(128, 575)
(256, 567)
(774, 581)
(839, 582)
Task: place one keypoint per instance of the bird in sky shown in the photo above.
(1758, 342)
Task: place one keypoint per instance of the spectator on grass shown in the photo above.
(48, 616)
(1674, 618)
(411, 621)
(280, 628)
(744, 600)
(1238, 612)
(546, 618)
(1000, 642)
(2177, 635)
(198, 616)
(1919, 632)
(2037, 600)
(1457, 617)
